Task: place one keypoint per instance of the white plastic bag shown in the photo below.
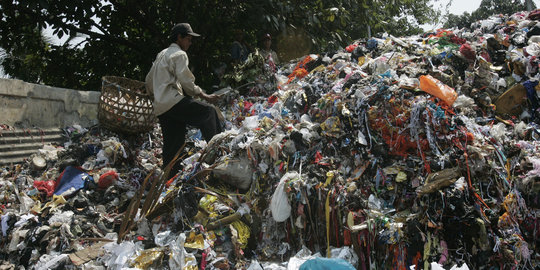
(117, 256)
(255, 265)
(179, 258)
(251, 122)
(279, 205)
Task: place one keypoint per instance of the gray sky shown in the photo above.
(460, 6)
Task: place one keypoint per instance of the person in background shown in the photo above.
(266, 50)
(173, 87)
(239, 48)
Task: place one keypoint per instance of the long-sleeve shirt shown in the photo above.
(169, 78)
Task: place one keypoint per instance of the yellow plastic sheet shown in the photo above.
(148, 257)
(56, 201)
(240, 233)
(329, 176)
(401, 177)
(195, 241)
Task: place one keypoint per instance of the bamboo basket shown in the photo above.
(124, 106)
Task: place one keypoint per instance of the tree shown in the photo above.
(486, 9)
(122, 37)
(459, 21)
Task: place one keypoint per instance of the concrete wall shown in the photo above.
(27, 105)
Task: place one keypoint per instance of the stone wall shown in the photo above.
(27, 105)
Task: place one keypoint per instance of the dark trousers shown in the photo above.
(186, 112)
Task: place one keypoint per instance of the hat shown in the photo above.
(183, 28)
(266, 36)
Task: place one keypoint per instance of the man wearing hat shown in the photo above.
(266, 51)
(173, 87)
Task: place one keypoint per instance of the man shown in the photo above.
(268, 54)
(239, 48)
(173, 86)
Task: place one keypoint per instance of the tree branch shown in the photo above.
(66, 26)
(135, 14)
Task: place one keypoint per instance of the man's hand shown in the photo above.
(209, 98)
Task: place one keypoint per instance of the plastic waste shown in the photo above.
(279, 205)
(435, 87)
(60, 218)
(437, 266)
(71, 180)
(236, 172)
(467, 51)
(47, 262)
(118, 255)
(326, 264)
(251, 122)
(107, 179)
(163, 239)
(255, 265)
(179, 258)
(345, 253)
(148, 257)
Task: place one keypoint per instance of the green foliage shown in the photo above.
(459, 21)
(122, 37)
(486, 9)
(246, 72)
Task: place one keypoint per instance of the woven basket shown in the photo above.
(124, 106)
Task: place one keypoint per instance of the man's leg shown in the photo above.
(173, 137)
(201, 115)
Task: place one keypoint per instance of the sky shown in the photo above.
(460, 6)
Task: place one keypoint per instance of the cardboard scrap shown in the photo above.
(84, 255)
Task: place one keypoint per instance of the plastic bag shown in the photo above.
(51, 262)
(326, 263)
(255, 265)
(118, 255)
(61, 218)
(251, 122)
(279, 205)
(435, 87)
(236, 172)
(107, 179)
(345, 253)
(71, 180)
(179, 258)
(498, 132)
(164, 238)
(467, 51)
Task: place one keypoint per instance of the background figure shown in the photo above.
(239, 48)
(266, 49)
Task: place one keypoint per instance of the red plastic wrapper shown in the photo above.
(106, 179)
(351, 47)
(467, 51)
(46, 186)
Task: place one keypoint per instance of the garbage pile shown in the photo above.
(394, 153)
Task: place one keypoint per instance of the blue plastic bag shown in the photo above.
(326, 264)
(72, 177)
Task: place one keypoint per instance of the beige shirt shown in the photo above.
(169, 78)
(270, 53)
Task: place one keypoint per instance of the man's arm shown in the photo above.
(212, 98)
(184, 77)
(187, 80)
